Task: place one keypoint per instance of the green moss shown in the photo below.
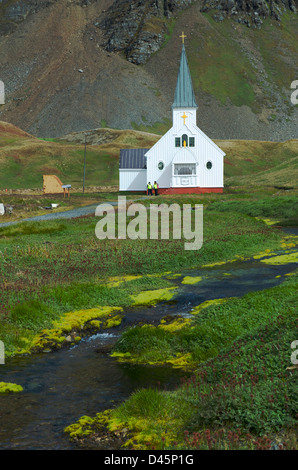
(82, 428)
(87, 425)
(79, 318)
(246, 338)
(111, 322)
(96, 323)
(7, 387)
(191, 280)
(118, 280)
(175, 324)
(173, 276)
(56, 337)
(120, 355)
(264, 253)
(152, 297)
(206, 304)
(219, 263)
(282, 259)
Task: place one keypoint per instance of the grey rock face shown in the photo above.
(249, 12)
(13, 12)
(138, 27)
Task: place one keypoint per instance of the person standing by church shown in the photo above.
(149, 189)
(155, 186)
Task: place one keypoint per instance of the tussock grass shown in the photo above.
(32, 228)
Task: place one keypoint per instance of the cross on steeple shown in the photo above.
(183, 37)
(184, 117)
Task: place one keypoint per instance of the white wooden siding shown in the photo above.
(132, 180)
(205, 150)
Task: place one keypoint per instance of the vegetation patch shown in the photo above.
(152, 297)
(191, 279)
(7, 387)
(74, 325)
(206, 304)
(282, 259)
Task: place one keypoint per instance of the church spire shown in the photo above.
(184, 94)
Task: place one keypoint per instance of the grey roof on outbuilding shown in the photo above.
(184, 94)
(133, 159)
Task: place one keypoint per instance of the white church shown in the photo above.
(184, 160)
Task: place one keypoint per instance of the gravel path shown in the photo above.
(52, 215)
(70, 214)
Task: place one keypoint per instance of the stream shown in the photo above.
(61, 386)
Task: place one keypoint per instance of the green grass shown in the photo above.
(31, 228)
(278, 208)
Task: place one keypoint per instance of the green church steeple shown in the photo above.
(184, 94)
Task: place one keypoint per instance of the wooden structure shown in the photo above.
(53, 185)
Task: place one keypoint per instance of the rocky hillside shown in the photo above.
(73, 65)
(138, 28)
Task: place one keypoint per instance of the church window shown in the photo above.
(191, 141)
(209, 165)
(177, 142)
(185, 139)
(161, 166)
(182, 169)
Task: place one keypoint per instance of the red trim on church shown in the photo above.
(183, 191)
(189, 190)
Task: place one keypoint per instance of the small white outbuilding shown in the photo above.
(184, 160)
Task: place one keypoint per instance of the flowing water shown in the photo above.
(61, 386)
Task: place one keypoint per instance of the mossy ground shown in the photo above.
(71, 327)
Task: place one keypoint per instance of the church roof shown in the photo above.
(133, 158)
(184, 94)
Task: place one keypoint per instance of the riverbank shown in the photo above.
(241, 395)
